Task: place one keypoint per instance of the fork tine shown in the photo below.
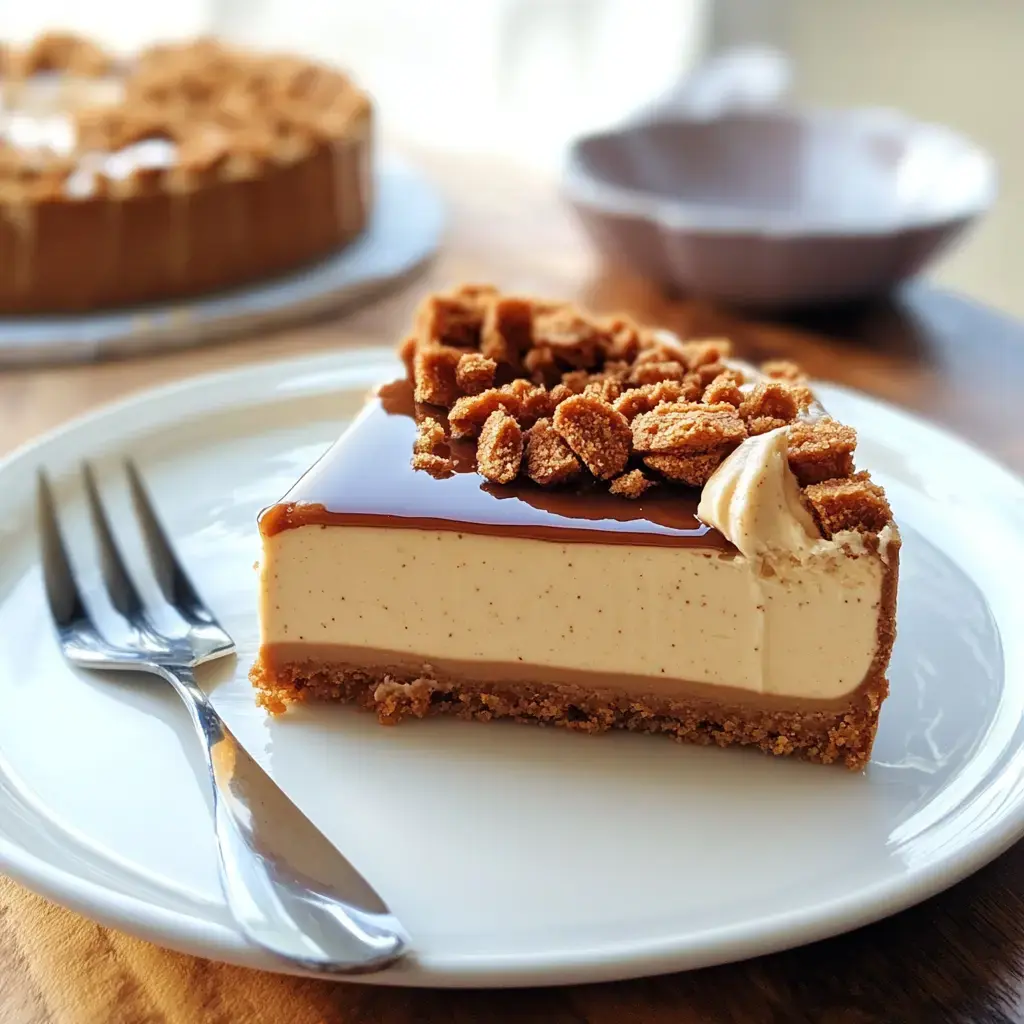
(171, 577)
(62, 593)
(123, 594)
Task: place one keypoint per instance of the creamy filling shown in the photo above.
(753, 498)
(657, 616)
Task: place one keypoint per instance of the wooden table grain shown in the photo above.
(958, 957)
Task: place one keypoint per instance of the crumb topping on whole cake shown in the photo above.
(559, 397)
(228, 114)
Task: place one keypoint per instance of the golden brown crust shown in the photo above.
(619, 398)
(829, 736)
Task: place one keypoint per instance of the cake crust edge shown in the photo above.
(843, 734)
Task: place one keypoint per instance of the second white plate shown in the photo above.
(514, 855)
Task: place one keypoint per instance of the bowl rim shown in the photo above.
(587, 189)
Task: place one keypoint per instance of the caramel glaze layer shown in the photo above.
(367, 479)
(408, 667)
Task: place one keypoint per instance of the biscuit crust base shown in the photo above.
(842, 734)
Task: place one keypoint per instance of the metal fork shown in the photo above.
(288, 888)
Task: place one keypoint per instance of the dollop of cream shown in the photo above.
(753, 500)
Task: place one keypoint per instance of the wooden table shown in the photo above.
(958, 957)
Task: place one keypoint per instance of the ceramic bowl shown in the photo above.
(777, 207)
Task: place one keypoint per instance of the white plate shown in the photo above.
(514, 855)
(404, 231)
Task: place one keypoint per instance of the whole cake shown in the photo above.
(190, 168)
(577, 521)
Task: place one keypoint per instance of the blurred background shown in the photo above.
(518, 78)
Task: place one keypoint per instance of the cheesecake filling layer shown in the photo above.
(657, 619)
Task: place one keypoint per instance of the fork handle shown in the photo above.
(261, 838)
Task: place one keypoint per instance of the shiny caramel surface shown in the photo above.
(366, 478)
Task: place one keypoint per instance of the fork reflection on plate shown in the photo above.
(289, 890)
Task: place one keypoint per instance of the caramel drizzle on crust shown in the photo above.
(556, 394)
(231, 112)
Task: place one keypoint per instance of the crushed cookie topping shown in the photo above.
(499, 452)
(549, 460)
(632, 484)
(821, 451)
(230, 113)
(560, 398)
(850, 503)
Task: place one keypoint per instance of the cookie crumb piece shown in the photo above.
(724, 388)
(65, 52)
(603, 386)
(770, 400)
(688, 427)
(507, 330)
(631, 485)
(783, 369)
(407, 353)
(429, 435)
(453, 319)
(541, 366)
(706, 351)
(469, 413)
(763, 424)
(475, 373)
(434, 374)
(530, 401)
(655, 372)
(572, 337)
(694, 470)
(647, 397)
(821, 451)
(549, 460)
(576, 380)
(853, 503)
(499, 451)
(803, 396)
(621, 339)
(704, 375)
(598, 434)
(438, 466)
(558, 394)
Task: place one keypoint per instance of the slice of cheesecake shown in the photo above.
(579, 522)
